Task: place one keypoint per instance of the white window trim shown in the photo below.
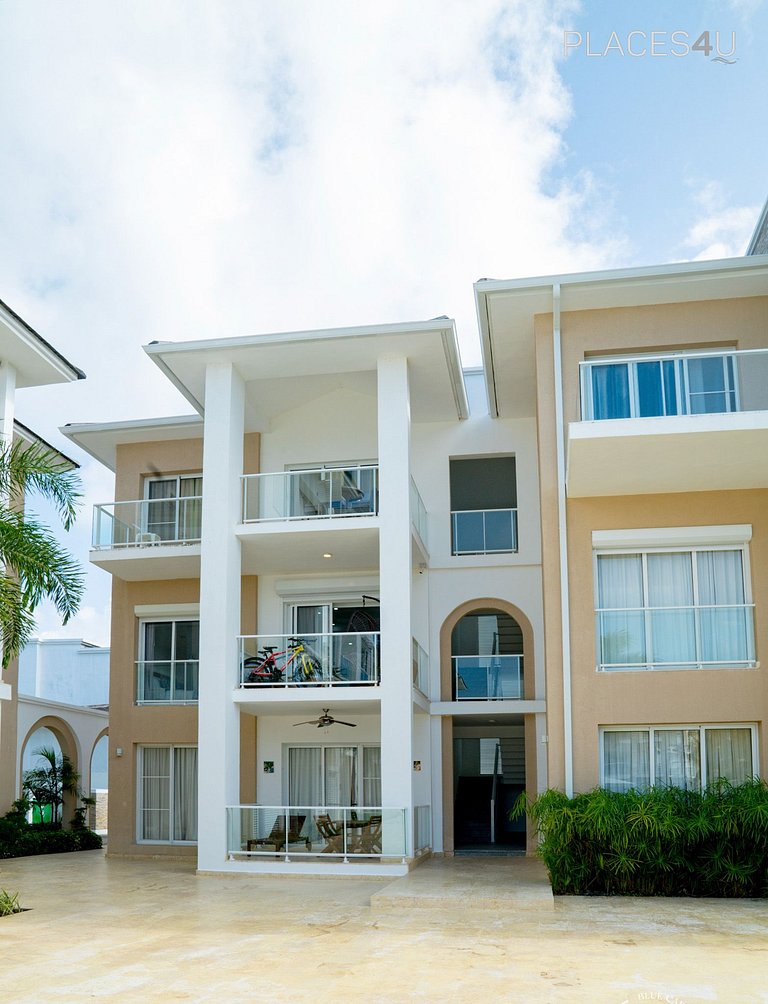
(673, 536)
(703, 727)
(139, 790)
(682, 548)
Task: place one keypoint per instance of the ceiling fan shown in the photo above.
(325, 721)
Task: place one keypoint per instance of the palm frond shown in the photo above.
(37, 469)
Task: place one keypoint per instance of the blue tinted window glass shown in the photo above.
(670, 389)
(610, 391)
(649, 389)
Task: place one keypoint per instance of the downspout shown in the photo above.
(565, 625)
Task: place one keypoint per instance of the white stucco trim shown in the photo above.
(167, 610)
(673, 536)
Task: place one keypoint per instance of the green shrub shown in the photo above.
(656, 842)
(18, 838)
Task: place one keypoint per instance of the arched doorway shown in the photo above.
(54, 734)
(486, 659)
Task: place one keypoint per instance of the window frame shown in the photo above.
(702, 727)
(142, 656)
(361, 777)
(140, 747)
(643, 550)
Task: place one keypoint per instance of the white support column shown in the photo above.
(395, 574)
(218, 716)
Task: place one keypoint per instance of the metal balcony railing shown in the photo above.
(147, 522)
(682, 383)
(488, 677)
(341, 659)
(167, 681)
(323, 492)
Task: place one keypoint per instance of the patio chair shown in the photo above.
(276, 838)
(370, 837)
(332, 834)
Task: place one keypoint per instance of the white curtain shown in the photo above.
(729, 754)
(185, 793)
(155, 793)
(372, 776)
(626, 760)
(677, 758)
(726, 634)
(341, 775)
(622, 631)
(190, 508)
(673, 632)
(305, 776)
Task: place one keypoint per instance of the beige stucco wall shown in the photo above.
(130, 725)
(8, 737)
(650, 697)
(660, 696)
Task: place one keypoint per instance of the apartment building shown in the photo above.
(26, 360)
(362, 598)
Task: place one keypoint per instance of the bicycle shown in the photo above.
(265, 669)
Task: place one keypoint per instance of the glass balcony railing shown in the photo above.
(146, 522)
(690, 383)
(344, 832)
(422, 828)
(484, 531)
(700, 637)
(420, 668)
(311, 660)
(488, 677)
(167, 682)
(418, 512)
(320, 493)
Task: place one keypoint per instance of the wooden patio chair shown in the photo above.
(276, 838)
(370, 836)
(332, 834)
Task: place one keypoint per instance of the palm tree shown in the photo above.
(33, 565)
(47, 783)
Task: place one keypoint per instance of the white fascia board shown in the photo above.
(59, 369)
(486, 351)
(672, 536)
(100, 439)
(623, 275)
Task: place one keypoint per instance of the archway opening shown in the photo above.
(42, 810)
(99, 785)
(487, 652)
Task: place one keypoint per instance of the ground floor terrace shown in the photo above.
(462, 929)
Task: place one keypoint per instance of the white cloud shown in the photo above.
(200, 169)
(720, 230)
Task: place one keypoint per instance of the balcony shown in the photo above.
(321, 493)
(167, 682)
(285, 662)
(322, 520)
(484, 531)
(678, 422)
(148, 538)
(488, 677)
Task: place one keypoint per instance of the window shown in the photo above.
(173, 507)
(483, 505)
(169, 664)
(669, 385)
(331, 775)
(167, 794)
(674, 609)
(682, 756)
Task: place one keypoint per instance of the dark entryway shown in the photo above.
(489, 775)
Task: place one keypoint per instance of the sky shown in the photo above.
(181, 169)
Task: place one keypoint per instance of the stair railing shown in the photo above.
(496, 758)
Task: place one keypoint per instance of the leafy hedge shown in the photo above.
(19, 840)
(657, 842)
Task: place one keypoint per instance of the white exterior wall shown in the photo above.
(64, 670)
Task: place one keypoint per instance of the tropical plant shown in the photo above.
(662, 841)
(47, 783)
(9, 903)
(33, 565)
